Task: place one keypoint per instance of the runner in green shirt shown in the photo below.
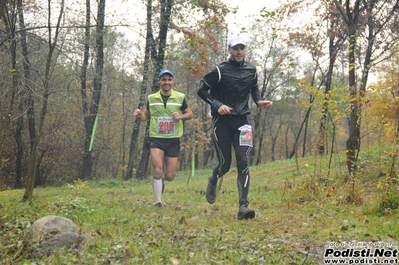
(166, 109)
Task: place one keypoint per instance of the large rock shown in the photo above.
(53, 232)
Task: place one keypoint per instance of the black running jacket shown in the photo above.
(230, 83)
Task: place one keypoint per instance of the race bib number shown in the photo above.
(246, 135)
(166, 126)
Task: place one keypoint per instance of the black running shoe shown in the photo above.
(210, 192)
(245, 213)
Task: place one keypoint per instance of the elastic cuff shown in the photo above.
(216, 105)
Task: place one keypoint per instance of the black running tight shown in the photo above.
(233, 131)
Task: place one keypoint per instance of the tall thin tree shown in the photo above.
(83, 89)
(8, 14)
(336, 37)
(29, 102)
(147, 62)
(91, 116)
(52, 42)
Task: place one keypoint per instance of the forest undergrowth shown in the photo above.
(300, 205)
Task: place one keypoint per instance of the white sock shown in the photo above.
(157, 187)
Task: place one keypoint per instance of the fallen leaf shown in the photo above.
(183, 221)
(173, 261)
(126, 258)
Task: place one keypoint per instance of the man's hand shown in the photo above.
(138, 112)
(224, 110)
(176, 116)
(141, 114)
(265, 104)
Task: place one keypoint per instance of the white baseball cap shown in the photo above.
(236, 41)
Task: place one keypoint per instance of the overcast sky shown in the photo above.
(121, 12)
(247, 8)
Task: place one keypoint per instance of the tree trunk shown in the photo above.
(333, 51)
(90, 119)
(357, 98)
(258, 124)
(353, 142)
(305, 136)
(11, 28)
(324, 111)
(32, 165)
(303, 125)
(20, 148)
(86, 160)
(208, 154)
(274, 142)
(207, 147)
(395, 154)
(29, 101)
(286, 141)
(260, 136)
(145, 156)
(136, 126)
(259, 148)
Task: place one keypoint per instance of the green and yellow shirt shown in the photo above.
(162, 124)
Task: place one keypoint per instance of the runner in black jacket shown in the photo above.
(227, 88)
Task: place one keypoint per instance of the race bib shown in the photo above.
(166, 126)
(245, 135)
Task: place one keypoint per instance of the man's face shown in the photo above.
(238, 52)
(166, 81)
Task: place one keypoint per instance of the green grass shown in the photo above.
(297, 212)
